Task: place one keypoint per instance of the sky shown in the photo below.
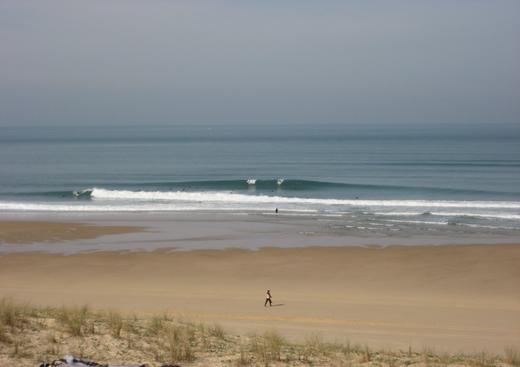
(129, 62)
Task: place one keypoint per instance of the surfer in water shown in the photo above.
(268, 299)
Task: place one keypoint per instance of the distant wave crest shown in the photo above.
(273, 185)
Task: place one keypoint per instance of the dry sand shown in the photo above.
(23, 232)
(449, 298)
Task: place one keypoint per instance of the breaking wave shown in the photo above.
(282, 186)
(97, 198)
(229, 197)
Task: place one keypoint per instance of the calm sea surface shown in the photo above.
(372, 180)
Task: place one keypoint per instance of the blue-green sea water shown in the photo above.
(378, 180)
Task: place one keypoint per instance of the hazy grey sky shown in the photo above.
(167, 61)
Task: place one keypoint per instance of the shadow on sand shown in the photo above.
(278, 305)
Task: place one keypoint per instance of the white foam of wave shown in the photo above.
(144, 207)
(401, 214)
(296, 213)
(480, 215)
(417, 222)
(452, 214)
(447, 223)
(227, 197)
(156, 207)
(251, 181)
(485, 226)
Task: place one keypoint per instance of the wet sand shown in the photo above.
(446, 298)
(26, 232)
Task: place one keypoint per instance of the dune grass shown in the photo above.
(115, 323)
(30, 335)
(77, 320)
(512, 356)
(268, 347)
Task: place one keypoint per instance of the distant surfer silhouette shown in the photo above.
(276, 210)
(268, 299)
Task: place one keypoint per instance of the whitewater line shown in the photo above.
(227, 197)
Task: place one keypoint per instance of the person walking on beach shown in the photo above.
(268, 299)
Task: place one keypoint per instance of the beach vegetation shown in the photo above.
(115, 323)
(512, 356)
(3, 334)
(244, 357)
(312, 347)
(179, 343)
(131, 325)
(268, 347)
(53, 342)
(29, 335)
(216, 330)
(366, 355)
(156, 325)
(76, 320)
(13, 315)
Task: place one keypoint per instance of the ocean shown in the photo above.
(368, 181)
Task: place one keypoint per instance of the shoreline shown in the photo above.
(452, 298)
(70, 234)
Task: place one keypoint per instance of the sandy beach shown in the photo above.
(450, 298)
